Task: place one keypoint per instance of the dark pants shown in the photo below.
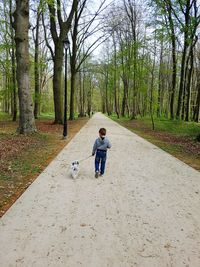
(100, 159)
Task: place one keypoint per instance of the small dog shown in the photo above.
(74, 169)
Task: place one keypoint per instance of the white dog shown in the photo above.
(74, 169)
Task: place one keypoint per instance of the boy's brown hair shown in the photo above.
(102, 131)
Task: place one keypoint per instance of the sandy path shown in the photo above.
(145, 212)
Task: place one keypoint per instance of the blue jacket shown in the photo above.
(102, 144)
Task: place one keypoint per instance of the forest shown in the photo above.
(126, 57)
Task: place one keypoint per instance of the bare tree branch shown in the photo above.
(46, 39)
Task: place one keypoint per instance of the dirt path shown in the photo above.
(144, 212)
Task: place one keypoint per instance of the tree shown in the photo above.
(196, 113)
(181, 19)
(133, 13)
(164, 10)
(13, 59)
(174, 60)
(7, 58)
(83, 30)
(36, 62)
(21, 26)
(188, 26)
(59, 29)
(115, 75)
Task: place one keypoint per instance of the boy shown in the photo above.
(100, 147)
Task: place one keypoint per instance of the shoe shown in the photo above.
(101, 175)
(96, 174)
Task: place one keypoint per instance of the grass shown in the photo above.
(176, 127)
(4, 116)
(43, 116)
(175, 137)
(46, 116)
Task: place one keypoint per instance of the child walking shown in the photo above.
(100, 148)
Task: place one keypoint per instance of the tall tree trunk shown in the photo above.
(103, 103)
(7, 82)
(174, 68)
(125, 106)
(73, 63)
(21, 25)
(188, 89)
(160, 81)
(14, 84)
(7, 89)
(151, 96)
(131, 11)
(134, 111)
(196, 115)
(83, 93)
(57, 83)
(115, 77)
(124, 101)
(106, 88)
(80, 95)
(73, 81)
(184, 96)
(183, 62)
(14, 89)
(152, 86)
(89, 98)
(37, 85)
(182, 83)
(173, 78)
